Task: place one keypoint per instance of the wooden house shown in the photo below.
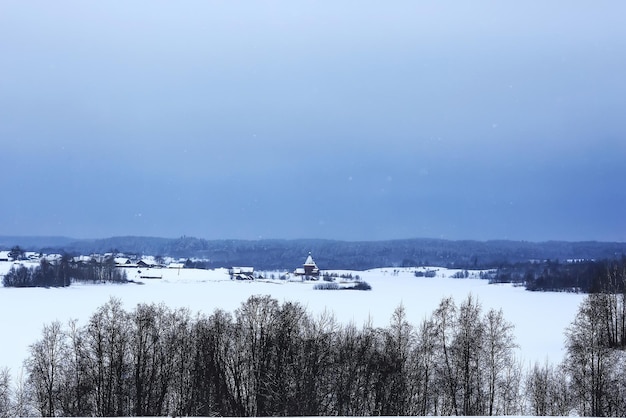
(241, 273)
(309, 270)
(144, 263)
(123, 262)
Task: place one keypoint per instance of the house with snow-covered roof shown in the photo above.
(241, 273)
(122, 262)
(176, 265)
(49, 257)
(145, 263)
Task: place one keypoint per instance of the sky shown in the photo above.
(350, 120)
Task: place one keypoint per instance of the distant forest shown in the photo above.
(588, 267)
(329, 254)
(586, 276)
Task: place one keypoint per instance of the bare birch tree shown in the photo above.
(44, 368)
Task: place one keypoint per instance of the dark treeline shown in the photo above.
(63, 272)
(587, 276)
(267, 254)
(273, 359)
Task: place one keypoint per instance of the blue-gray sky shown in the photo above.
(351, 120)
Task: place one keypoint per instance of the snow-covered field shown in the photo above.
(539, 318)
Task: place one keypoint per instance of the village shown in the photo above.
(150, 267)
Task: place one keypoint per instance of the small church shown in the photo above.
(309, 270)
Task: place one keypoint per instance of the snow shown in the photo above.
(539, 318)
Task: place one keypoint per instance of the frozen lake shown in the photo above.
(539, 318)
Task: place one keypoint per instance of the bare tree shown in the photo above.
(612, 301)
(510, 390)
(209, 392)
(248, 353)
(180, 351)
(280, 388)
(425, 358)
(547, 391)
(6, 407)
(144, 342)
(617, 385)
(107, 340)
(45, 369)
(22, 405)
(589, 359)
(75, 399)
(498, 346)
(17, 253)
(358, 372)
(444, 321)
(468, 349)
(398, 351)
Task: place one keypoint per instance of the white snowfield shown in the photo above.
(540, 319)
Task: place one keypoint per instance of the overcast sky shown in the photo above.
(350, 120)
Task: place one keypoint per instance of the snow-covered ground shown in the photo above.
(539, 318)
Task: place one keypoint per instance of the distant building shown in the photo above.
(176, 265)
(241, 273)
(144, 263)
(53, 258)
(123, 262)
(309, 270)
(82, 259)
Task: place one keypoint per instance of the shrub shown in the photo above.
(326, 286)
(360, 286)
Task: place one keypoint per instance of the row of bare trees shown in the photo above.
(591, 380)
(269, 358)
(595, 344)
(273, 359)
(64, 272)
